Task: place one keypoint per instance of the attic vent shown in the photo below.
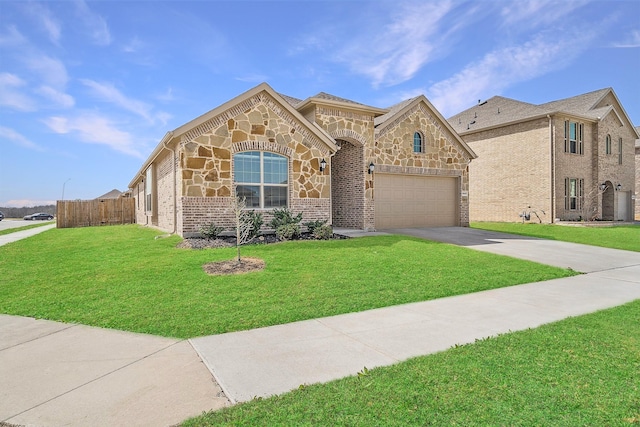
(498, 110)
(473, 122)
(475, 115)
(483, 103)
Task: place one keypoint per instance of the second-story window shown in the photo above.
(573, 137)
(607, 144)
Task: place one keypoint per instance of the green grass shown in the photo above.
(583, 371)
(26, 227)
(618, 237)
(120, 277)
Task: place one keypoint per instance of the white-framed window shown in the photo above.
(262, 178)
(148, 190)
(573, 137)
(573, 193)
(418, 143)
(607, 144)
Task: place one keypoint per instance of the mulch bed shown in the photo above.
(246, 265)
(230, 241)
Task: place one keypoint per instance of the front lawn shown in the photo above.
(121, 277)
(582, 371)
(618, 237)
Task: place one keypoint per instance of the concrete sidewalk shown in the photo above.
(55, 374)
(19, 235)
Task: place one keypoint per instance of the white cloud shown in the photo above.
(134, 45)
(94, 129)
(109, 93)
(395, 52)
(21, 140)
(46, 21)
(50, 70)
(13, 37)
(59, 98)
(632, 40)
(11, 96)
(535, 13)
(252, 78)
(21, 203)
(94, 24)
(502, 68)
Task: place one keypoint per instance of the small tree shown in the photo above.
(589, 208)
(243, 223)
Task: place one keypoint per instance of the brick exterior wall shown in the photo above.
(347, 186)
(521, 165)
(165, 192)
(511, 173)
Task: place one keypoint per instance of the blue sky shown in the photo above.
(88, 88)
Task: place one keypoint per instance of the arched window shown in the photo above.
(608, 149)
(262, 178)
(418, 146)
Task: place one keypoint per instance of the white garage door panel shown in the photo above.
(415, 201)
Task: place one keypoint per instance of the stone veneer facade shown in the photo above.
(193, 170)
(257, 124)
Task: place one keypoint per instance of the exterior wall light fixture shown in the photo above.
(603, 186)
(323, 165)
(618, 187)
(372, 167)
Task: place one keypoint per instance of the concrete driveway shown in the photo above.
(582, 258)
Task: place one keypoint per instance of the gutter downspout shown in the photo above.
(552, 143)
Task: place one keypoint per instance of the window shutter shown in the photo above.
(580, 194)
(566, 136)
(567, 189)
(580, 144)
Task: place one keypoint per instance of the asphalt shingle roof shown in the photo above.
(393, 110)
(499, 110)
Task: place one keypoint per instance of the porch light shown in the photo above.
(618, 187)
(323, 165)
(372, 167)
(603, 186)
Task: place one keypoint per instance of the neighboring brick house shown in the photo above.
(572, 158)
(637, 195)
(385, 168)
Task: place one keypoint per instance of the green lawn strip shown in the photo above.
(618, 237)
(582, 371)
(120, 277)
(26, 227)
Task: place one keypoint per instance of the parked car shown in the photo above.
(38, 216)
(1, 216)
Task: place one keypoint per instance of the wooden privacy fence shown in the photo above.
(87, 213)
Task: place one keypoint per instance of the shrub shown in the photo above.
(211, 230)
(287, 231)
(312, 225)
(323, 232)
(256, 221)
(284, 217)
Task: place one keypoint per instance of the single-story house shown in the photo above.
(573, 159)
(330, 158)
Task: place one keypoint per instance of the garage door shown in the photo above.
(415, 201)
